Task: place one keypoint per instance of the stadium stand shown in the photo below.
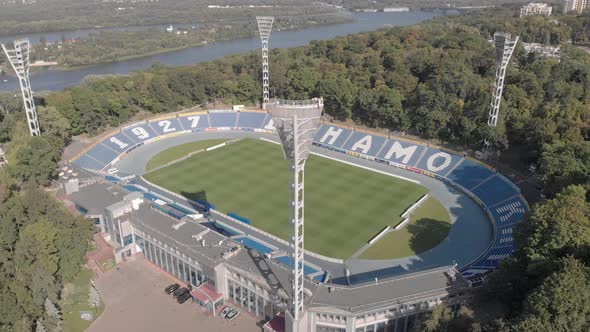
(223, 120)
(469, 174)
(88, 162)
(166, 126)
(496, 194)
(437, 161)
(251, 120)
(401, 152)
(494, 191)
(102, 153)
(288, 261)
(364, 143)
(195, 122)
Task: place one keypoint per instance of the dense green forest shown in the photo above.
(433, 80)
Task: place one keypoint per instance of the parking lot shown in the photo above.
(135, 301)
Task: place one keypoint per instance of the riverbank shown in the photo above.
(52, 79)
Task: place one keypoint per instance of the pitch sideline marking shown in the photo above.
(352, 164)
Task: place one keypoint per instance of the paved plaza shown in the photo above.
(135, 301)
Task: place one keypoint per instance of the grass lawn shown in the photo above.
(345, 205)
(75, 299)
(428, 226)
(180, 151)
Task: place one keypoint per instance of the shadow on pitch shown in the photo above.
(426, 233)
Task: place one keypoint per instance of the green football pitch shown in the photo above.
(345, 206)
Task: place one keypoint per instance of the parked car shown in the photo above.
(179, 292)
(233, 314)
(225, 311)
(183, 297)
(171, 288)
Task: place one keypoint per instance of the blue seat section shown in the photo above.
(249, 243)
(251, 120)
(469, 174)
(225, 230)
(504, 236)
(119, 142)
(367, 144)
(86, 162)
(151, 197)
(240, 218)
(437, 161)
(194, 122)
(132, 188)
(180, 208)
(401, 152)
(494, 257)
(102, 154)
(288, 261)
(167, 126)
(140, 133)
(494, 190)
(111, 179)
(332, 136)
(223, 119)
(509, 212)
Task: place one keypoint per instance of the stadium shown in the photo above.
(393, 226)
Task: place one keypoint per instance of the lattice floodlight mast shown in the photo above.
(296, 123)
(19, 60)
(265, 27)
(504, 49)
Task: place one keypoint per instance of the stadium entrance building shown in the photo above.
(221, 270)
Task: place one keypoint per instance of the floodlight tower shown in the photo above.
(19, 60)
(504, 49)
(296, 122)
(265, 27)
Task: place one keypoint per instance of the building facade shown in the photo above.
(575, 6)
(219, 270)
(535, 8)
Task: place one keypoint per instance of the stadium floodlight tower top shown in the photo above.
(296, 122)
(19, 60)
(264, 28)
(504, 48)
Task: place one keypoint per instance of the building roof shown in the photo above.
(96, 197)
(159, 225)
(276, 324)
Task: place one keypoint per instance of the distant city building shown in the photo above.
(543, 50)
(536, 8)
(577, 6)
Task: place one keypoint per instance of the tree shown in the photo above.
(561, 302)
(338, 93)
(93, 297)
(39, 326)
(35, 160)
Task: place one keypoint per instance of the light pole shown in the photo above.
(296, 122)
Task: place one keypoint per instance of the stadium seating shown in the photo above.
(469, 174)
(364, 143)
(102, 153)
(251, 120)
(223, 119)
(166, 126)
(195, 122)
(495, 192)
(332, 136)
(288, 261)
(437, 161)
(89, 163)
(401, 152)
(140, 132)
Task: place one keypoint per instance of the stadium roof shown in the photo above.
(96, 197)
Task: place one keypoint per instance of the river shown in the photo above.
(49, 79)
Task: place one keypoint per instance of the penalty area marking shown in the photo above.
(352, 164)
